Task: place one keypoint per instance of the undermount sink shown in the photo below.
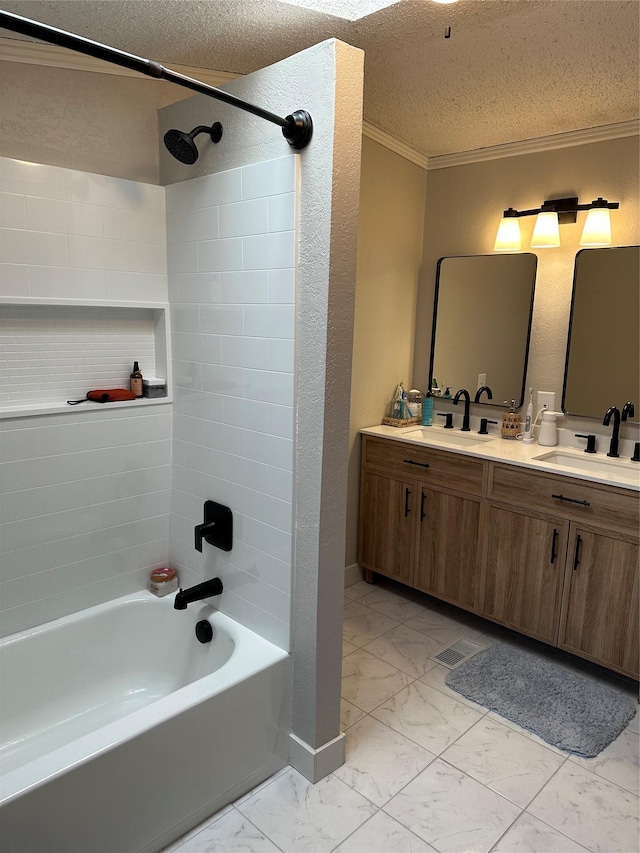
(603, 466)
(452, 437)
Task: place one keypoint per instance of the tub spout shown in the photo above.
(197, 593)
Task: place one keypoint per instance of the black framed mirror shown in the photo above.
(482, 324)
(602, 365)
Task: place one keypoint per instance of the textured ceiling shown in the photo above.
(511, 70)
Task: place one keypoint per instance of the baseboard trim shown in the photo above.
(353, 574)
(315, 764)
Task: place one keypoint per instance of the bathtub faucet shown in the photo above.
(197, 593)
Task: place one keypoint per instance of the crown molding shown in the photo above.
(401, 148)
(35, 53)
(534, 146)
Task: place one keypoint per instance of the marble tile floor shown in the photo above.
(428, 771)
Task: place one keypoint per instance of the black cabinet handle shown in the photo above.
(422, 499)
(411, 462)
(407, 494)
(554, 543)
(576, 556)
(571, 500)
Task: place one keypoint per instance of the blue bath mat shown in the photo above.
(564, 709)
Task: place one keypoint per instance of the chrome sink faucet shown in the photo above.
(615, 412)
(465, 418)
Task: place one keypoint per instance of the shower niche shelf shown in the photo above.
(56, 350)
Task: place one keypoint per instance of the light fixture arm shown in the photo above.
(566, 208)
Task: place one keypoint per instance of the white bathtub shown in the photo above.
(120, 731)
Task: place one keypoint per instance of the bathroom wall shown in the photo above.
(84, 494)
(232, 254)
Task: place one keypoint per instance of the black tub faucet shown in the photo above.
(197, 593)
(465, 419)
(480, 391)
(613, 447)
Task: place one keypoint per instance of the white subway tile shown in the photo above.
(222, 319)
(33, 247)
(210, 349)
(198, 287)
(39, 531)
(186, 318)
(271, 450)
(269, 178)
(187, 226)
(220, 255)
(64, 217)
(269, 251)
(135, 286)
(188, 429)
(224, 437)
(244, 218)
(29, 473)
(182, 257)
(133, 225)
(282, 212)
(90, 252)
(266, 625)
(281, 356)
(14, 280)
(275, 482)
(244, 352)
(269, 321)
(20, 176)
(130, 483)
(221, 188)
(219, 379)
(13, 213)
(275, 542)
(200, 404)
(281, 421)
(66, 283)
(250, 414)
(269, 387)
(180, 196)
(113, 192)
(147, 258)
(282, 286)
(16, 506)
(204, 459)
(244, 287)
(261, 594)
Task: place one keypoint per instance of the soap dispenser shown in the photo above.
(548, 436)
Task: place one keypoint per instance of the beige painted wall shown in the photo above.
(392, 198)
(464, 205)
(101, 123)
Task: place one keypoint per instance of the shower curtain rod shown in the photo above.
(297, 128)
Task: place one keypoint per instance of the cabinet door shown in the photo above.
(448, 547)
(600, 603)
(524, 571)
(387, 526)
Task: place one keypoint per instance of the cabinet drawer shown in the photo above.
(580, 500)
(433, 467)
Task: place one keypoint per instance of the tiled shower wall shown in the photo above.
(232, 255)
(84, 495)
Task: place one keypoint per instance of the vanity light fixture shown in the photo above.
(553, 213)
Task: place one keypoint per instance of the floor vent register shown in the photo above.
(461, 650)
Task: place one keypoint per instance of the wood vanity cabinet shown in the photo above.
(561, 563)
(420, 512)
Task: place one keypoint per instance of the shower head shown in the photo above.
(181, 145)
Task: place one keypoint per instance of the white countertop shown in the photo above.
(570, 460)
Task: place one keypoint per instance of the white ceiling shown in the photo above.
(511, 70)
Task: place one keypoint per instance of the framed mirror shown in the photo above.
(602, 366)
(482, 324)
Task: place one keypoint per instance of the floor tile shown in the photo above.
(232, 832)
(347, 648)
(368, 681)
(395, 604)
(357, 590)
(383, 834)
(362, 624)
(592, 811)
(530, 835)
(179, 844)
(435, 678)
(300, 817)
(426, 716)
(618, 762)
(503, 760)
(451, 811)
(349, 714)
(406, 649)
(444, 628)
(492, 715)
(380, 761)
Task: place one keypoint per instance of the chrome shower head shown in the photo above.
(181, 145)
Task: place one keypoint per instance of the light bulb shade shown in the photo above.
(597, 228)
(508, 237)
(546, 234)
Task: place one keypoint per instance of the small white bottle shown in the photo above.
(548, 436)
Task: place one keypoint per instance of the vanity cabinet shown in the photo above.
(561, 564)
(420, 518)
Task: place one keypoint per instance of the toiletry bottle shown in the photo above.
(427, 409)
(528, 424)
(135, 382)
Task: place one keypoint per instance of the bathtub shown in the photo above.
(120, 730)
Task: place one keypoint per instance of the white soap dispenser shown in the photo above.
(548, 436)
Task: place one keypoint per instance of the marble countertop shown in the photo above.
(566, 458)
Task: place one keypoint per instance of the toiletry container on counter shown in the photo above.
(548, 436)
